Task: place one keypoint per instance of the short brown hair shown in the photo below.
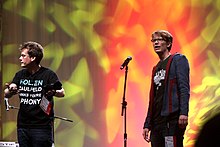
(167, 36)
(34, 50)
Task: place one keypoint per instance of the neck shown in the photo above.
(164, 55)
(34, 69)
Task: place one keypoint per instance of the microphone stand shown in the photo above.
(8, 107)
(124, 107)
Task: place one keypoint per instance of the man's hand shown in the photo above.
(145, 134)
(183, 121)
(51, 93)
(11, 89)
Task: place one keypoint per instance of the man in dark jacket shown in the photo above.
(168, 108)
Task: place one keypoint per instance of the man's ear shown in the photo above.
(168, 44)
(33, 58)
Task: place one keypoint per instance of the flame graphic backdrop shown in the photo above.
(86, 41)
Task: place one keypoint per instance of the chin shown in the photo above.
(158, 51)
(23, 66)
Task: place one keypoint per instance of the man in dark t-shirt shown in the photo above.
(167, 115)
(159, 78)
(35, 116)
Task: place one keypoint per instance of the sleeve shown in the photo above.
(16, 78)
(182, 71)
(147, 123)
(50, 77)
(52, 83)
(53, 78)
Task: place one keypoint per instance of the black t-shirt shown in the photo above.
(159, 80)
(31, 91)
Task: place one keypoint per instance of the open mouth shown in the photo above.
(156, 47)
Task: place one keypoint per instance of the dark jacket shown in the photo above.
(177, 89)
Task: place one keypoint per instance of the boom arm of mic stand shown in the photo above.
(63, 118)
(13, 107)
(8, 107)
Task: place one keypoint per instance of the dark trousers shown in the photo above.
(35, 137)
(161, 131)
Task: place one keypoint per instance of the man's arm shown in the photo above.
(184, 89)
(182, 69)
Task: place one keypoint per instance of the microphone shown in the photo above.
(7, 106)
(129, 58)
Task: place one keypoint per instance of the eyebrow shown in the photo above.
(159, 38)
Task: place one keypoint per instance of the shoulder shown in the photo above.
(46, 70)
(180, 60)
(21, 71)
(179, 56)
(47, 73)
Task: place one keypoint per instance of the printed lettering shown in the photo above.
(30, 101)
(31, 82)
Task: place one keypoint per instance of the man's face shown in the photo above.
(25, 59)
(159, 44)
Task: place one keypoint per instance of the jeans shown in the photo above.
(171, 129)
(35, 137)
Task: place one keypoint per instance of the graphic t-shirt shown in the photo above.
(159, 80)
(31, 91)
